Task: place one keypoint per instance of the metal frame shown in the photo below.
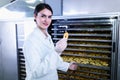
(8, 52)
(114, 18)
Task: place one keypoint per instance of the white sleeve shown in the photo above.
(37, 66)
(63, 66)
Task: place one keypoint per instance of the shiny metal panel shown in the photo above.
(8, 51)
(1, 68)
(118, 71)
(76, 7)
(56, 6)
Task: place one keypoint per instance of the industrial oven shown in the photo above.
(93, 43)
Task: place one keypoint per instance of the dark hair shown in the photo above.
(42, 6)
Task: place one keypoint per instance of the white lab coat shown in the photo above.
(41, 59)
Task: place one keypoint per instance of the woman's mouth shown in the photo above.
(45, 24)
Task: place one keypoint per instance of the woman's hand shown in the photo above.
(73, 66)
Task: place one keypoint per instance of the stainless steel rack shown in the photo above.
(91, 44)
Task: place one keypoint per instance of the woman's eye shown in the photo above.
(49, 16)
(43, 16)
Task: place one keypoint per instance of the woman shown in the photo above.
(42, 59)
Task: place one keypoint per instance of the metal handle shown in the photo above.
(0, 41)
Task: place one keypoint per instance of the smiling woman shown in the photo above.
(42, 58)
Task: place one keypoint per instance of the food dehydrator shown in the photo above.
(93, 44)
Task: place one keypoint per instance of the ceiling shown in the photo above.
(4, 2)
(18, 8)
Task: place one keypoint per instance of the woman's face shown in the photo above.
(43, 19)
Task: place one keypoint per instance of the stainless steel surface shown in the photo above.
(118, 63)
(1, 67)
(8, 54)
(77, 7)
(95, 15)
(56, 6)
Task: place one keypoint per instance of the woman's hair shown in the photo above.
(42, 6)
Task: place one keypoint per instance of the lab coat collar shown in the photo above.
(41, 33)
